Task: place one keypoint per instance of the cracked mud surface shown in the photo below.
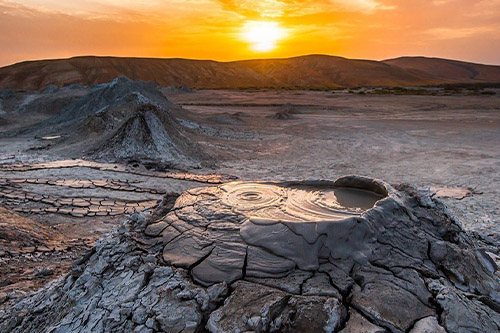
(49, 217)
(203, 262)
(35, 195)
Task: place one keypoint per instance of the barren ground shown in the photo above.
(431, 141)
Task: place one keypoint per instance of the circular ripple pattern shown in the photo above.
(298, 203)
(253, 196)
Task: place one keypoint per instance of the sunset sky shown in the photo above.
(232, 30)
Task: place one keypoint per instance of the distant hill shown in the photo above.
(313, 71)
(454, 70)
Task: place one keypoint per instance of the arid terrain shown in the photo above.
(75, 161)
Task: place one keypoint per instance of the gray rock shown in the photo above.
(102, 297)
(217, 292)
(292, 283)
(462, 312)
(43, 272)
(319, 285)
(256, 308)
(359, 324)
(3, 298)
(389, 305)
(427, 325)
(262, 264)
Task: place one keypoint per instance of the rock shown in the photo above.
(111, 283)
(156, 228)
(359, 324)
(223, 264)
(217, 292)
(140, 315)
(319, 285)
(152, 324)
(427, 325)
(3, 298)
(43, 272)
(292, 283)
(261, 263)
(338, 276)
(260, 309)
(389, 305)
(461, 313)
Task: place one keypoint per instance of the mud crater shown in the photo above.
(299, 202)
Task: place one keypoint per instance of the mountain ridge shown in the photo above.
(301, 72)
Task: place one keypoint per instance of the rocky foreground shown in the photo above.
(354, 255)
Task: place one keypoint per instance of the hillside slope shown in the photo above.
(318, 71)
(449, 69)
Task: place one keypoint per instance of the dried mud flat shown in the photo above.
(49, 218)
(446, 145)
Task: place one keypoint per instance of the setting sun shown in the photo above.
(263, 36)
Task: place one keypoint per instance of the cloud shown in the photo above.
(118, 10)
(364, 6)
(456, 33)
(487, 9)
(294, 8)
(442, 2)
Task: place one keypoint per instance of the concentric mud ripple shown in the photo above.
(298, 203)
(253, 196)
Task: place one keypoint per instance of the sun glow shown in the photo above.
(263, 36)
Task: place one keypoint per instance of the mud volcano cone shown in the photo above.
(351, 255)
(382, 251)
(285, 112)
(149, 134)
(280, 226)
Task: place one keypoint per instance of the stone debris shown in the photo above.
(117, 286)
(294, 256)
(33, 253)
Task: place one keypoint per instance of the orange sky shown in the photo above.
(212, 29)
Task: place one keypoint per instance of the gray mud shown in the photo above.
(198, 263)
(304, 202)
